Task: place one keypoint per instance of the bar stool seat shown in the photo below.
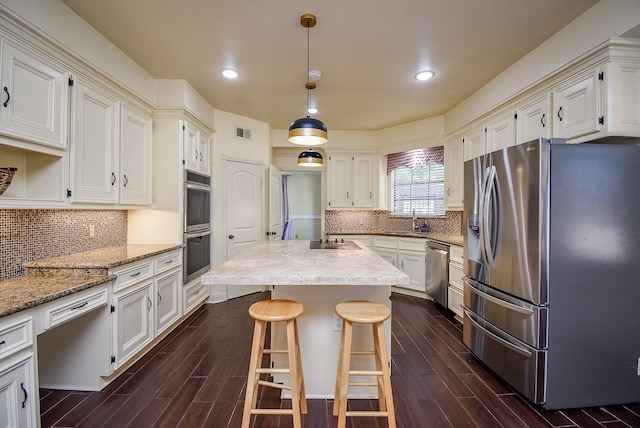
(264, 312)
(363, 312)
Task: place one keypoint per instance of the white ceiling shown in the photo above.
(367, 51)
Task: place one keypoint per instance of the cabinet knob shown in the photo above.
(231, 236)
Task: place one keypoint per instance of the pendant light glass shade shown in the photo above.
(307, 131)
(309, 158)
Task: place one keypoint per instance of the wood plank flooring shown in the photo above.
(197, 375)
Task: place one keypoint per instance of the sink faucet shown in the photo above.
(415, 225)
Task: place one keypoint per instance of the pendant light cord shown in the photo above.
(308, 68)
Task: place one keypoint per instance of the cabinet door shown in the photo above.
(133, 327)
(168, 305)
(340, 173)
(192, 152)
(623, 113)
(94, 161)
(35, 96)
(387, 254)
(363, 181)
(501, 132)
(412, 263)
(135, 157)
(533, 120)
(18, 393)
(474, 144)
(204, 146)
(576, 107)
(453, 174)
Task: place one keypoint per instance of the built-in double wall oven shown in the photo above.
(197, 225)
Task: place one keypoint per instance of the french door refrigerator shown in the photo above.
(552, 270)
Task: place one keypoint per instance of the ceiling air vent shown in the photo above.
(243, 133)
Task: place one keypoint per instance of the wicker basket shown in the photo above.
(6, 175)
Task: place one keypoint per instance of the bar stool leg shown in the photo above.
(386, 375)
(382, 401)
(336, 395)
(257, 351)
(300, 379)
(294, 375)
(345, 363)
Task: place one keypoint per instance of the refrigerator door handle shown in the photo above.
(522, 351)
(496, 300)
(486, 235)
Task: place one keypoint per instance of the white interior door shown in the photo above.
(275, 203)
(243, 213)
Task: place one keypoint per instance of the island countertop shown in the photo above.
(294, 263)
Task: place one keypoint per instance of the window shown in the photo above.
(417, 181)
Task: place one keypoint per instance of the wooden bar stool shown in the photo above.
(264, 312)
(363, 313)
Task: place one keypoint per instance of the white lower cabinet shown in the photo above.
(19, 405)
(456, 284)
(18, 393)
(147, 301)
(407, 254)
(168, 296)
(133, 322)
(193, 294)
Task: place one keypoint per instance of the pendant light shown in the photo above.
(308, 131)
(309, 158)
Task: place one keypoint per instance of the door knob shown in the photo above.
(231, 236)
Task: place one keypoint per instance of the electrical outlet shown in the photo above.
(337, 323)
(92, 231)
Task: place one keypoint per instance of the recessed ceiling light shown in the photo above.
(229, 73)
(424, 75)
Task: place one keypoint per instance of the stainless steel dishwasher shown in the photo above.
(437, 271)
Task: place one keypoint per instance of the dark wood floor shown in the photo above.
(196, 377)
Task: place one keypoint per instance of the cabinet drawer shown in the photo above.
(455, 254)
(193, 294)
(385, 241)
(73, 307)
(412, 244)
(455, 276)
(455, 301)
(131, 274)
(15, 335)
(168, 261)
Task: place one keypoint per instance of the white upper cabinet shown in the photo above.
(351, 181)
(474, 143)
(35, 96)
(501, 132)
(197, 149)
(532, 120)
(623, 97)
(453, 174)
(94, 139)
(135, 157)
(576, 106)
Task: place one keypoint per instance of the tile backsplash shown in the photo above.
(35, 234)
(373, 221)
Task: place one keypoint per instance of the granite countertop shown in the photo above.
(56, 277)
(447, 238)
(294, 263)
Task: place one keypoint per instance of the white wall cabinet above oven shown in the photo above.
(197, 149)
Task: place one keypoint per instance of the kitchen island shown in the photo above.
(319, 279)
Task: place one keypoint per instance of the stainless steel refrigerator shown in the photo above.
(552, 269)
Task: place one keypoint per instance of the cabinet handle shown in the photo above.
(370, 195)
(402, 265)
(81, 305)
(126, 180)
(159, 298)
(24, 391)
(150, 304)
(448, 191)
(3, 342)
(201, 156)
(543, 121)
(168, 262)
(113, 179)
(133, 275)
(560, 111)
(6, 91)
(197, 154)
(347, 195)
